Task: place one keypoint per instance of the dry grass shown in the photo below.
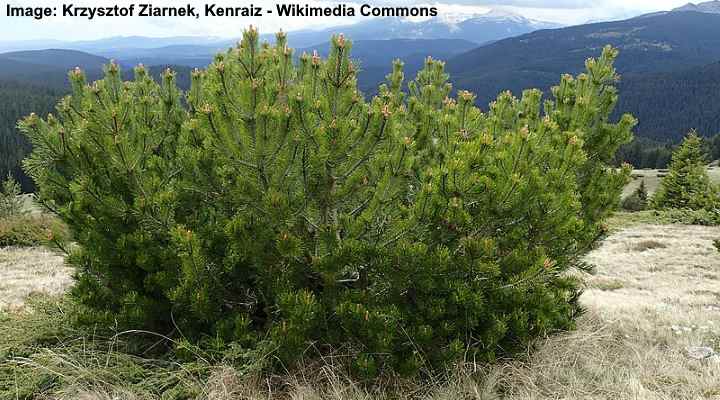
(660, 266)
(24, 271)
(633, 343)
(656, 293)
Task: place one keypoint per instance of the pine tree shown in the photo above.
(508, 202)
(280, 210)
(687, 184)
(11, 204)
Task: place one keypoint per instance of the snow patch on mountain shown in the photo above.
(711, 7)
(454, 18)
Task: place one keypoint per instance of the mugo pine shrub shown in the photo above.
(105, 165)
(279, 211)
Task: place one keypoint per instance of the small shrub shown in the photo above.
(20, 228)
(648, 245)
(32, 230)
(688, 216)
(11, 203)
(606, 284)
(276, 210)
(638, 200)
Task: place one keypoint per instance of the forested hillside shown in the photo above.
(670, 104)
(16, 101)
(645, 153)
(661, 61)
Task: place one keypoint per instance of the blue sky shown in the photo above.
(66, 28)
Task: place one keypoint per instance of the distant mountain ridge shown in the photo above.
(668, 66)
(482, 28)
(712, 7)
(652, 44)
(374, 57)
(111, 43)
(59, 58)
(48, 68)
(477, 28)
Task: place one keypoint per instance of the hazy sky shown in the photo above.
(66, 28)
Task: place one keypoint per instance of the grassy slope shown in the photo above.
(652, 179)
(656, 292)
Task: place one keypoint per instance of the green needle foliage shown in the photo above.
(687, 184)
(278, 210)
(105, 163)
(295, 185)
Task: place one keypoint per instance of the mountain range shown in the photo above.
(480, 29)
(657, 43)
(374, 57)
(663, 47)
(476, 28)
